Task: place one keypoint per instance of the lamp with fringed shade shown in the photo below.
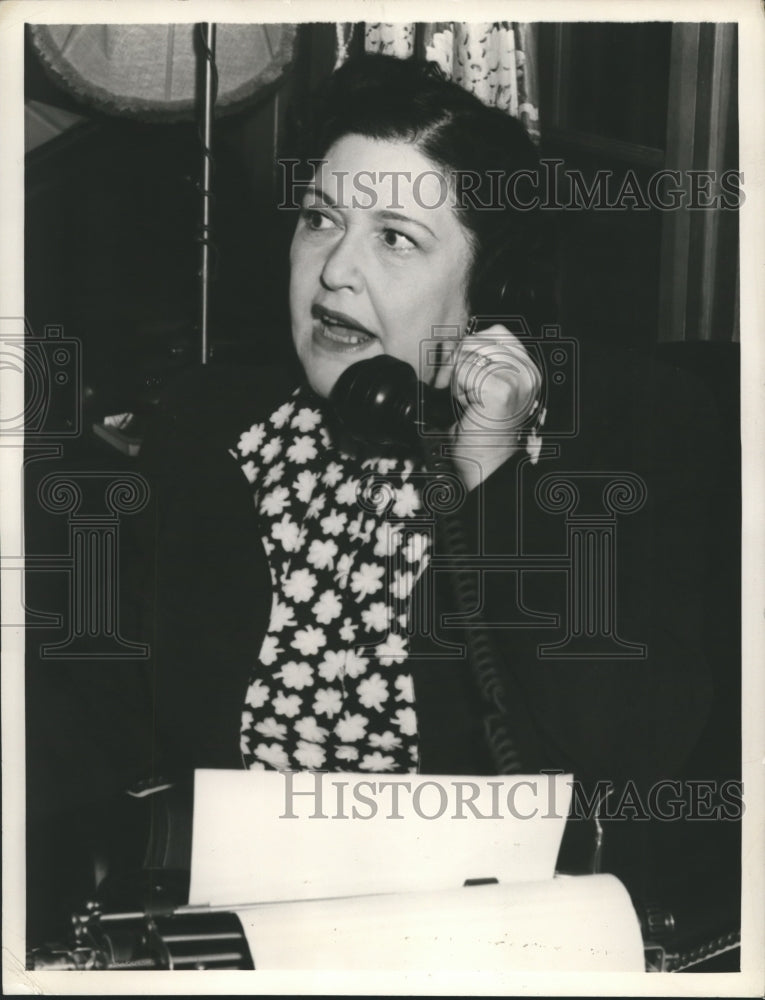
(149, 71)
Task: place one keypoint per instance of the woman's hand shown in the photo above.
(497, 385)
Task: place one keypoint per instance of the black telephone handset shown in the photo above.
(380, 401)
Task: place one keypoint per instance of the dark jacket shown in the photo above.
(206, 591)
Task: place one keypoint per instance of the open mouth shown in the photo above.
(339, 332)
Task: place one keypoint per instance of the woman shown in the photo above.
(371, 275)
(287, 638)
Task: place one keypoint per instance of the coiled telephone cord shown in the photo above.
(483, 656)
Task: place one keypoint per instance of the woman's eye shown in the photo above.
(397, 241)
(316, 220)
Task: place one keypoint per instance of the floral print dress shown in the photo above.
(346, 543)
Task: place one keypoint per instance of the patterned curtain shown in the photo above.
(495, 60)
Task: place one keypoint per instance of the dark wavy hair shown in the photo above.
(411, 100)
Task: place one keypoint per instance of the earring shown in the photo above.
(472, 323)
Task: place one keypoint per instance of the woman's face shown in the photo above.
(379, 261)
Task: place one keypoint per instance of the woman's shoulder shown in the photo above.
(207, 407)
(219, 397)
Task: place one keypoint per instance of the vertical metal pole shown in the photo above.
(208, 38)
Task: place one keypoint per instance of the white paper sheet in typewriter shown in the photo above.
(344, 872)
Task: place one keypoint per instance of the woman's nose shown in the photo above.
(342, 267)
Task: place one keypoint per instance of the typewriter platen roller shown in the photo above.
(576, 923)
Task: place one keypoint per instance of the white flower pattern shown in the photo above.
(377, 616)
(309, 640)
(288, 533)
(305, 484)
(328, 607)
(271, 450)
(366, 580)
(330, 686)
(393, 650)
(252, 439)
(273, 503)
(270, 650)
(322, 554)
(334, 522)
(251, 471)
(310, 730)
(274, 474)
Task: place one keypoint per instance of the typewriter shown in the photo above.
(499, 897)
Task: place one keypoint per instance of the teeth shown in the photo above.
(344, 338)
